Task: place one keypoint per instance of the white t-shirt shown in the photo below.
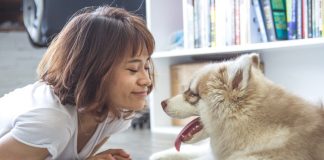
(34, 116)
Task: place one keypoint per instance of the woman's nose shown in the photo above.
(145, 79)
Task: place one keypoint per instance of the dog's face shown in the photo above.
(214, 94)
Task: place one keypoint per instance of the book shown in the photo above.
(304, 19)
(278, 8)
(309, 18)
(292, 19)
(229, 22)
(237, 22)
(212, 23)
(204, 24)
(318, 18)
(322, 16)
(188, 27)
(245, 21)
(221, 22)
(260, 20)
(267, 14)
(299, 19)
(196, 26)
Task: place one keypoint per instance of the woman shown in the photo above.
(95, 74)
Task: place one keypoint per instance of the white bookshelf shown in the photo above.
(241, 48)
(297, 65)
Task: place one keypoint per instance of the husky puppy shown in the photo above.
(246, 116)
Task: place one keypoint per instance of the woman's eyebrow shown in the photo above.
(134, 61)
(137, 60)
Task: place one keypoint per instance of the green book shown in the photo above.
(280, 19)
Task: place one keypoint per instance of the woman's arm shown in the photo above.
(11, 149)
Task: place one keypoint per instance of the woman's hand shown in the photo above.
(111, 154)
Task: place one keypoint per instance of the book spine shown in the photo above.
(322, 17)
(299, 19)
(292, 19)
(237, 22)
(314, 16)
(212, 23)
(204, 24)
(220, 23)
(261, 22)
(267, 13)
(188, 28)
(244, 21)
(279, 17)
(304, 19)
(229, 23)
(309, 19)
(197, 43)
(318, 18)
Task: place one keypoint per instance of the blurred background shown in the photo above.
(18, 58)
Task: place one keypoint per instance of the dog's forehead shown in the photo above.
(199, 74)
(206, 70)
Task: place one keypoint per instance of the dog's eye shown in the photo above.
(191, 97)
(191, 94)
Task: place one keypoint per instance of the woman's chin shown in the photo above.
(136, 107)
(139, 108)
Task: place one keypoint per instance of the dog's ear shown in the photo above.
(255, 60)
(240, 70)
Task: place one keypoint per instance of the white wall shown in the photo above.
(164, 17)
(300, 70)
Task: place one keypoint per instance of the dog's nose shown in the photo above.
(164, 104)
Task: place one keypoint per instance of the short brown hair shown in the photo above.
(86, 51)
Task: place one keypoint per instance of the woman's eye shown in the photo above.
(132, 70)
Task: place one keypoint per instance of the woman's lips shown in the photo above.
(141, 93)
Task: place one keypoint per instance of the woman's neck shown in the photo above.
(87, 125)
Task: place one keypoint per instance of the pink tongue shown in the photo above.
(185, 131)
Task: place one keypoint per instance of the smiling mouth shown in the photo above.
(144, 93)
(188, 132)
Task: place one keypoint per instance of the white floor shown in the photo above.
(18, 61)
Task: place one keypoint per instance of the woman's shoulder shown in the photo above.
(27, 95)
(36, 97)
(35, 104)
(44, 128)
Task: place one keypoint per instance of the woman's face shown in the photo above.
(130, 82)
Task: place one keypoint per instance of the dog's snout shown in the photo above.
(164, 104)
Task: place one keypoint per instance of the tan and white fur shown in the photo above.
(247, 116)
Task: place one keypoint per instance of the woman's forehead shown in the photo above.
(141, 52)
